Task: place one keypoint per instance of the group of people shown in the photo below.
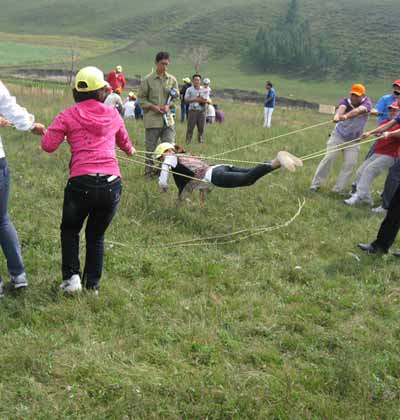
(93, 129)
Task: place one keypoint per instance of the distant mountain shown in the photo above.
(368, 28)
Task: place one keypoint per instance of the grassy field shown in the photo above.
(285, 325)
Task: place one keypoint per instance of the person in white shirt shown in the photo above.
(210, 113)
(129, 106)
(12, 114)
(197, 97)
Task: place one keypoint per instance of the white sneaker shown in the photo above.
(380, 210)
(72, 285)
(20, 281)
(356, 199)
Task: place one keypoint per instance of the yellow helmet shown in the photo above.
(162, 148)
(119, 69)
(89, 79)
(186, 80)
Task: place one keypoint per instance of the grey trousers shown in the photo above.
(391, 184)
(369, 170)
(195, 118)
(350, 161)
(152, 136)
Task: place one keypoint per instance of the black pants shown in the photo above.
(227, 176)
(95, 199)
(391, 184)
(390, 225)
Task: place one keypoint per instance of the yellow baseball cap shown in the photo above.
(89, 79)
(162, 148)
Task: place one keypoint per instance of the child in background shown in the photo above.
(94, 188)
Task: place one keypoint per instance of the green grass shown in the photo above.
(286, 325)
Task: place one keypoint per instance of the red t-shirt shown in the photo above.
(390, 146)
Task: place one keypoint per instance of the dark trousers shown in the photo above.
(390, 225)
(391, 184)
(196, 118)
(226, 176)
(95, 199)
(184, 110)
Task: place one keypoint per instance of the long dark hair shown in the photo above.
(98, 95)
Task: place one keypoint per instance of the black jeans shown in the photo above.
(95, 199)
(227, 176)
(391, 184)
(390, 225)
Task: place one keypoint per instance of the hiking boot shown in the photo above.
(20, 281)
(72, 284)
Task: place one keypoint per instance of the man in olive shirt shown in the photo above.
(153, 94)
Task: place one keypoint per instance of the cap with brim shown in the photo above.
(358, 89)
(396, 83)
(186, 80)
(394, 105)
(162, 148)
(90, 79)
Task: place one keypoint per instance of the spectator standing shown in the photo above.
(184, 105)
(12, 114)
(129, 106)
(153, 94)
(269, 104)
(219, 114)
(116, 79)
(114, 100)
(350, 118)
(197, 98)
(207, 86)
(210, 113)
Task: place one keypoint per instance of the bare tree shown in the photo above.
(74, 62)
(197, 55)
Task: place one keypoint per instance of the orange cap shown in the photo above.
(358, 89)
(118, 90)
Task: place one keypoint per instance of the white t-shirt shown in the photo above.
(129, 109)
(210, 113)
(192, 93)
(171, 161)
(10, 110)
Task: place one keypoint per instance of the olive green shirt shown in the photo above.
(154, 91)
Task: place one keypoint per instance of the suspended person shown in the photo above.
(184, 105)
(93, 190)
(154, 91)
(386, 151)
(190, 172)
(350, 118)
(197, 97)
(12, 114)
(116, 79)
(269, 103)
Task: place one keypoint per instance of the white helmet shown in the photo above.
(206, 81)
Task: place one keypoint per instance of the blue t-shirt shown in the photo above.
(271, 94)
(382, 106)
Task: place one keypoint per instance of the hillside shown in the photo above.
(224, 26)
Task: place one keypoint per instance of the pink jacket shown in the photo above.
(92, 129)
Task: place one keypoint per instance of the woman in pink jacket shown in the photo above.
(93, 190)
